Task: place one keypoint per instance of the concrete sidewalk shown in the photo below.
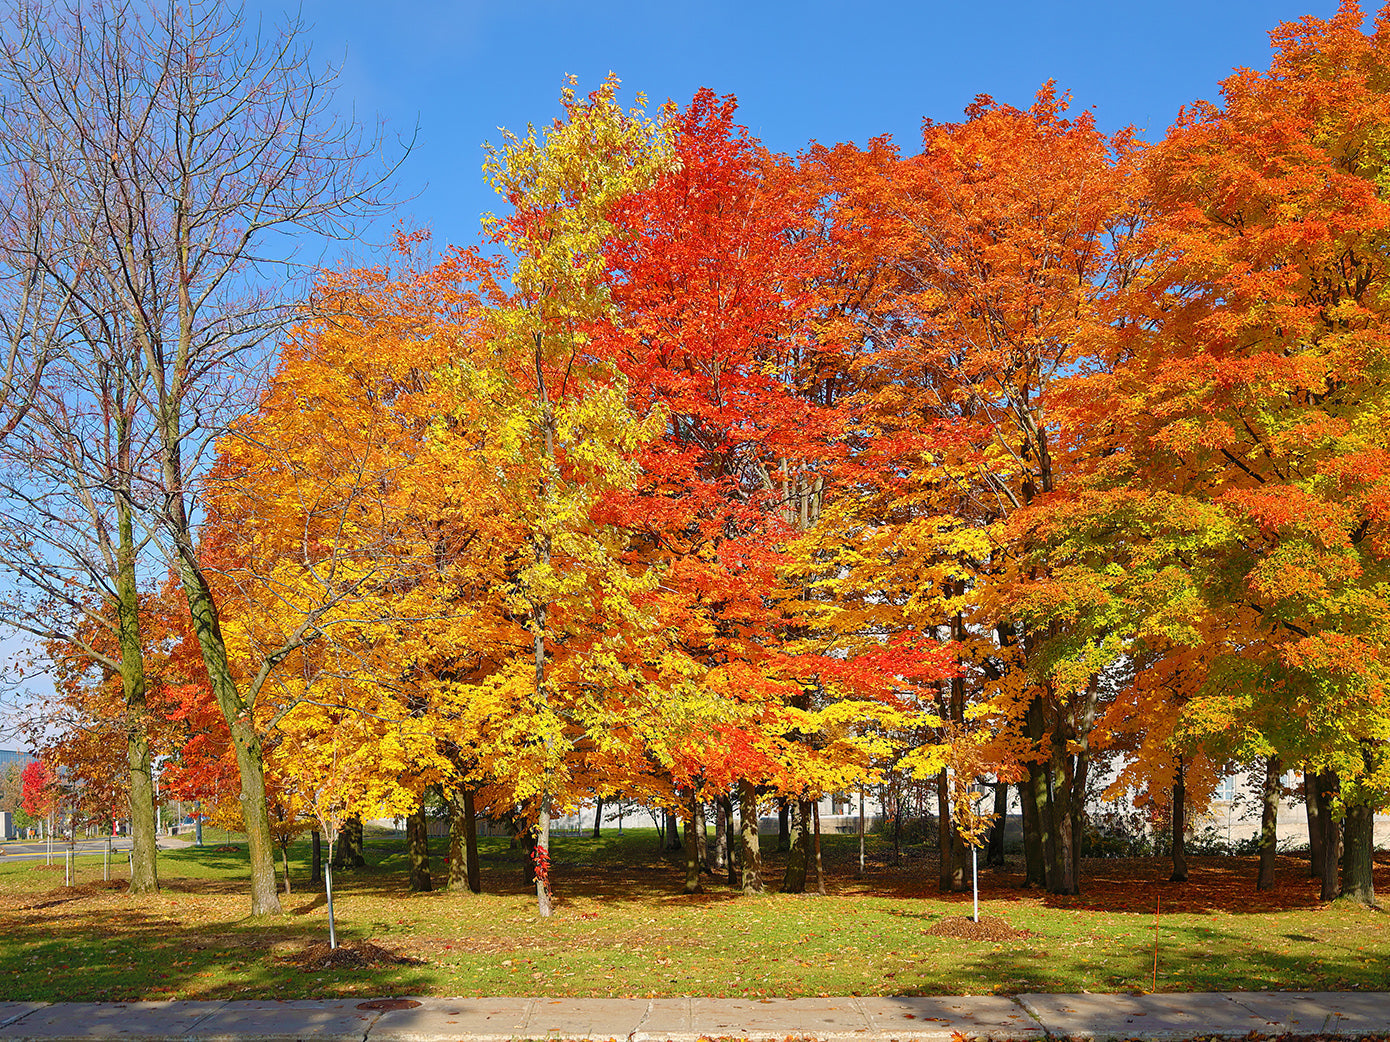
(1153, 1017)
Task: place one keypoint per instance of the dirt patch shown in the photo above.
(989, 928)
(348, 955)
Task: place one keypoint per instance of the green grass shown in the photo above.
(624, 927)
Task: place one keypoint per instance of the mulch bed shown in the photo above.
(989, 928)
(348, 955)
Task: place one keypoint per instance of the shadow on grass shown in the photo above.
(92, 942)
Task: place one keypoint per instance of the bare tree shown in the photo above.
(181, 151)
(73, 451)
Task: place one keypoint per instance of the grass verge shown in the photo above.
(625, 928)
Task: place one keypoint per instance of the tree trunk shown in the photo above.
(798, 856)
(950, 873)
(1043, 784)
(994, 852)
(732, 865)
(784, 834)
(1062, 798)
(673, 835)
(692, 852)
(418, 841)
(1329, 787)
(1034, 873)
(144, 871)
(527, 842)
(464, 870)
(719, 857)
(1081, 761)
(862, 868)
(815, 849)
(598, 816)
(898, 829)
(1179, 824)
(1269, 822)
(285, 860)
(348, 851)
(246, 743)
(701, 838)
(540, 856)
(1316, 840)
(1358, 833)
(750, 855)
(316, 855)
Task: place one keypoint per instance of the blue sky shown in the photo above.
(817, 69)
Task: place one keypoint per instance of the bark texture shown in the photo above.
(750, 855)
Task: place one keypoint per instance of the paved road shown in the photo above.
(1033, 1017)
(30, 850)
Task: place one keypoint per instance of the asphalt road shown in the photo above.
(30, 850)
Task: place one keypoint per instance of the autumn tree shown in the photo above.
(710, 273)
(1253, 394)
(968, 283)
(566, 431)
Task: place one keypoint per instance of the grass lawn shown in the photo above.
(625, 928)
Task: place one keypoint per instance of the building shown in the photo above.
(9, 756)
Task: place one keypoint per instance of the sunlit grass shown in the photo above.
(624, 927)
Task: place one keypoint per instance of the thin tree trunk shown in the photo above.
(1329, 787)
(285, 860)
(316, 854)
(798, 856)
(897, 828)
(1179, 824)
(947, 875)
(784, 834)
(701, 839)
(1316, 842)
(144, 871)
(692, 853)
(1269, 822)
(751, 857)
(994, 852)
(598, 816)
(1034, 874)
(732, 865)
(418, 841)
(815, 849)
(720, 854)
(470, 842)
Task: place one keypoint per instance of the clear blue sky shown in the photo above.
(811, 69)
